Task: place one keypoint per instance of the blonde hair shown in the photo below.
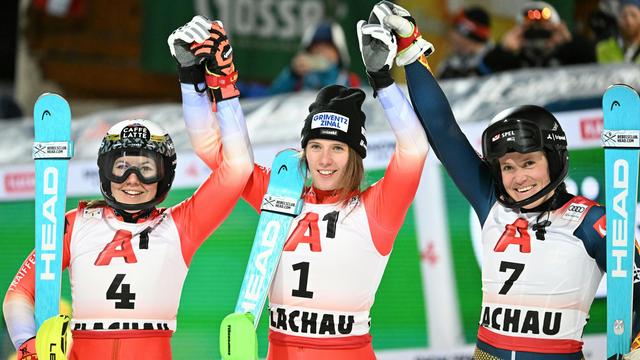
(352, 176)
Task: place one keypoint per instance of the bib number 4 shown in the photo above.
(121, 293)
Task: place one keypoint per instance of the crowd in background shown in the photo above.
(539, 38)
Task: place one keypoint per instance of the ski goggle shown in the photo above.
(146, 165)
(518, 136)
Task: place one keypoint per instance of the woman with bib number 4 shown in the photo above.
(544, 250)
(127, 258)
(338, 247)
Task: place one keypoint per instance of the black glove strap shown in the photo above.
(379, 79)
(192, 75)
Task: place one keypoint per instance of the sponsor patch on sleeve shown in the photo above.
(600, 226)
(574, 212)
(92, 213)
(330, 120)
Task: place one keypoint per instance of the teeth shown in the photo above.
(525, 189)
(326, 172)
(132, 192)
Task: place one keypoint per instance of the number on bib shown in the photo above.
(124, 296)
(304, 279)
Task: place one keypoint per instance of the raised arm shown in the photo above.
(465, 166)
(388, 200)
(206, 69)
(207, 122)
(450, 145)
(208, 76)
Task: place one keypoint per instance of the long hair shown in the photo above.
(352, 176)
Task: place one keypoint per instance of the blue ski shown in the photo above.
(621, 141)
(280, 205)
(52, 149)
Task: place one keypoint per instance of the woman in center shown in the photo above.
(338, 247)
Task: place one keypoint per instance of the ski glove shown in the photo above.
(220, 74)
(204, 54)
(634, 354)
(52, 338)
(378, 48)
(190, 67)
(411, 45)
(27, 351)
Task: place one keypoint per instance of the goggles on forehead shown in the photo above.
(146, 165)
(519, 136)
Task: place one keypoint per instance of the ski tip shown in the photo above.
(49, 95)
(620, 87)
(618, 95)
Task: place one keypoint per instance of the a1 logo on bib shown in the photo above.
(330, 120)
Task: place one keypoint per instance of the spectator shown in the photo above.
(469, 38)
(539, 39)
(323, 60)
(625, 46)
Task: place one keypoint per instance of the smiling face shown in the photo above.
(523, 175)
(132, 190)
(327, 160)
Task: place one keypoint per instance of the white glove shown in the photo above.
(632, 355)
(411, 45)
(377, 46)
(197, 30)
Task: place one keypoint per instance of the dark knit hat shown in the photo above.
(337, 115)
(473, 23)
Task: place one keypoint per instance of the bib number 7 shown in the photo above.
(517, 271)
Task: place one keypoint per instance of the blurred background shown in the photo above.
(111, 61)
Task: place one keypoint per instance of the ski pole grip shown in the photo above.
(52, 150)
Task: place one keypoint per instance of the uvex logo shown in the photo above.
(619, 233)
(48, 232)
(256, 282)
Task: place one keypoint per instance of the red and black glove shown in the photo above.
(203, 53)
(220, 73)
(27, 351)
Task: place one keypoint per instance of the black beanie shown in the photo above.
(337, 115)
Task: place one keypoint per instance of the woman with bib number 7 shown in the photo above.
(544, 249)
